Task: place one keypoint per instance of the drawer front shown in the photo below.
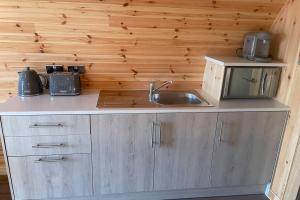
(38, 177)
(45, 125)
(47, 145)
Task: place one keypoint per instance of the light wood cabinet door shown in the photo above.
(123, 157)
(49, 177)
(246, 147)
(184, 150)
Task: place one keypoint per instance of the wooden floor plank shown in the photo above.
(4, 188)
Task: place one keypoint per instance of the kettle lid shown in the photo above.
(27, 70)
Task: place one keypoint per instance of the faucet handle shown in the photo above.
(167, 82)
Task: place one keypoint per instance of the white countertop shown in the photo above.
(242, 62)
(86, 104)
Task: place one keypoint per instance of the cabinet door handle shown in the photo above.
(36, 125)
(152, 134)
(221, 132)
(49, 145)
(159, 134)
(50, 159)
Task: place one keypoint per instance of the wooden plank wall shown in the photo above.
(2, 163)
(287, 46)
(125, 43)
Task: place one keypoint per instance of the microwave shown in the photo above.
(250, 82)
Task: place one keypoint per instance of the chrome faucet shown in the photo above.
(153, 90)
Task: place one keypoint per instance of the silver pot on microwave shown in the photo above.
(257, 46)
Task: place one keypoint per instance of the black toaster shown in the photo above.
(64, 84)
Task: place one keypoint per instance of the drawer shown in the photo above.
(47, 145)
(49, 177)
(45, 125)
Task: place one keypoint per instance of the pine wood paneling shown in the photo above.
(125, 43)
(2, 163)
(286, 29)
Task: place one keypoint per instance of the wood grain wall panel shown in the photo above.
(125, 43)
(2, 167)
(2, 161)
(286, 46)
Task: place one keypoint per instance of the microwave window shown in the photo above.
(243, 82)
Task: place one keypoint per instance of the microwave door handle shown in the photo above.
(252, 80)
(263, 84)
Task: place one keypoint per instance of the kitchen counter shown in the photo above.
(87, 101)
(242, 62)
(86, 143)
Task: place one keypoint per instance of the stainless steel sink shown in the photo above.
(159, 99)
(178, 98)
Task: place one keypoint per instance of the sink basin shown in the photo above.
(140, 99)
(177, 98)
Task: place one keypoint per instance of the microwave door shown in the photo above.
(242, 82)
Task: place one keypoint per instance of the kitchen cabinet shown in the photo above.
(183, 156)
(123, 154)
(130, 149)
(42, 177)
(133, 156)
(246, 148)
(48, 156)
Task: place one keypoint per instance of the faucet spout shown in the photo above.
(165, 83)
(153, 90)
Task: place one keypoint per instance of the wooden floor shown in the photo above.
(4, 188)
(5, 195)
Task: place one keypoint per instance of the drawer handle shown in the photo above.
(49, 145)
(50, 159)
(60, 125)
